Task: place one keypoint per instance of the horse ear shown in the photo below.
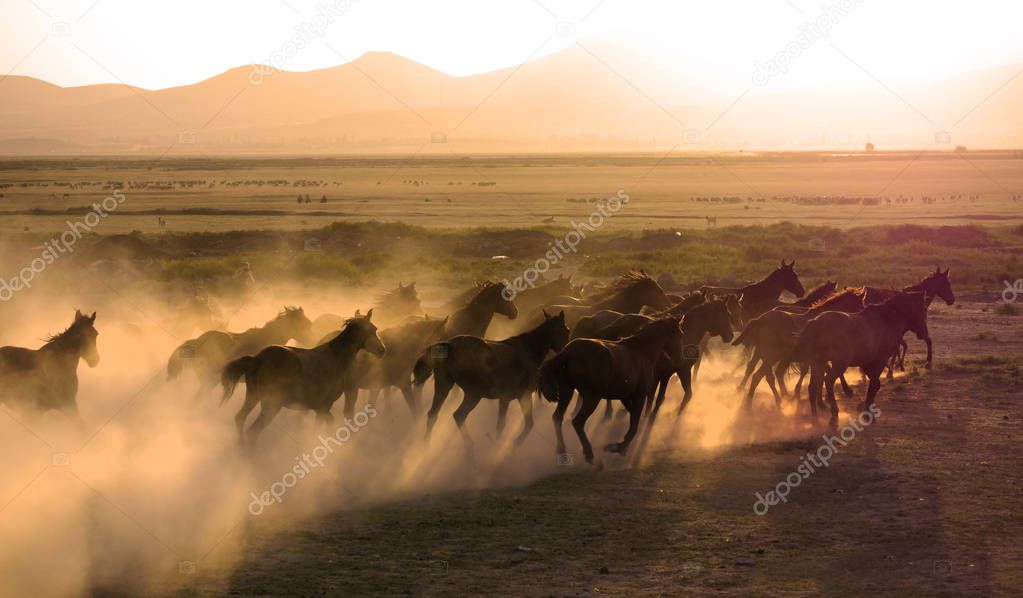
(358, 312)
(369, 314)
(92, 318)
(546, 316)
(562, 314)
(78, 314)
(946, 271)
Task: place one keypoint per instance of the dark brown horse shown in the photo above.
(404, 345)
(208, 353)
(475, 316)
(306, 379)
(628, 294)
(699, 323)
(397, 304)
(759, 297)
(504, 370)
(833, 342)
(623, 370)
(771, 338)
(38, 380)
(936, 284)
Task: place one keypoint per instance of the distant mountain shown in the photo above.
(595, 97)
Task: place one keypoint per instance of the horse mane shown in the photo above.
(52, 338)
(484, 289)
(286, 311)
(396, 293)
(624, 282)
(819, 290)
(857, 291)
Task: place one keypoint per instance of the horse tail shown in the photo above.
(430, 359)
(176, 362)
(232, 372)
(748, 336)
(548, 381)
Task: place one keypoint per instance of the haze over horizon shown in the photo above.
(355, 75)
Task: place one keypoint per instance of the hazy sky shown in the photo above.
(159, 44)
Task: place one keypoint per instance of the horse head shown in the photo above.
(299, 325)
(367, 337)
(557, 330)
(495, 296)
(786, 275)
(84, 331)
(939, 285)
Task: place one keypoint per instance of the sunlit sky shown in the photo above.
(161, 44)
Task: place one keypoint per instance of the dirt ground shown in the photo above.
(925, 501)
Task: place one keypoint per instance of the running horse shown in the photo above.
(47, 378)
(307, 379)
(757, 298)
(623, 370)
(936, 284)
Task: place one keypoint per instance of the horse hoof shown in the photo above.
(589, 459)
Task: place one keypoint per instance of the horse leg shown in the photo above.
(351, 400)
(469, 403)
(70, 410)
(635, 408)
(759, 375)
(589, 404)
(872, 388)
(608, 412)
(799, 383)
(829, 388)
(750, 367)
(526, 403)
(251, 400)
(845, 385)
(930, 352)
(267, 412)
(685, 376)
(374, 394)
(662, 390)
(891, 364)
(903, 349)
(564, 398)
(441, 387)
(779, 375)
(411, 400)
(502, 415)
(813, 389)
(769, 375)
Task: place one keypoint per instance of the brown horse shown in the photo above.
(628, 294)
(38, 380)
(623, 370)
(391, 308)
(208, 353)
(835, 341)
(394, 369)
(587, 326)
(504, 370)
(699, 323)
(475, 316)
(771, 338)
(759, 297)
(308, 379)
(936, 284)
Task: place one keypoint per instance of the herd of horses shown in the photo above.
(622, 342)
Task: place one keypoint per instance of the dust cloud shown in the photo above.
(154, 493)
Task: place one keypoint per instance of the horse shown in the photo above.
(699, 323)
(936, 284)
(505, 370)
(404, 345)
(835, 341)
(474, 318)
(818, 294)
(208, 353)
(310, 379)
(540, 296)
(612, 325)
(588, 325)
(397, 304)
(628, 294)
(47, 378)
(622, 370)
(770, 337)
(392, 308)
(759, 297)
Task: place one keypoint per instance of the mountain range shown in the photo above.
(584, 98)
